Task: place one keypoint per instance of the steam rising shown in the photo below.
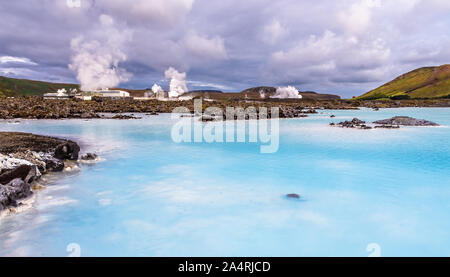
(287, 92)
(96, 62)
(61, 92)
(177, 82)
(157, 89)
(262, 95)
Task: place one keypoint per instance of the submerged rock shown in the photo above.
(293, 196)
(405, 121)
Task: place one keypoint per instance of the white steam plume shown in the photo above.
(262, 95)
(159, 92)
(61, 92)
(96, 62)
(157, 89)
(286, 92)
(177, 82)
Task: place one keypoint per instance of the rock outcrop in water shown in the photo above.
(391, 123)
(405, 121)
(24, 158)
(67, 151)
(354, 123)
(89, 157)
(293, 196)
(294, 111)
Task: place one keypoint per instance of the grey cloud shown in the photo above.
(228, 44)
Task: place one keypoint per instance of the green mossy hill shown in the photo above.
(422, 83)
(16, 87)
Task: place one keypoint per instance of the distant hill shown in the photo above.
(16, 87)
(256, 92)
(425, 82)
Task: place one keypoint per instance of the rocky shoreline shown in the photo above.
(24, 158)
(35, 107)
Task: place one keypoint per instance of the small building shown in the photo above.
(149, 94)
(111, 93)
(162, 94)
(56, 95)
(84, 97)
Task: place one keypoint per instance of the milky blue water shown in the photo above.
(151, 196)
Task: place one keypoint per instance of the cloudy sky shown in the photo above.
(344, 47)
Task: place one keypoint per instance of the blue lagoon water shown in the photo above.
(151, 196)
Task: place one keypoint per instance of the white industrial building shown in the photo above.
(111, 93)
(61, 94)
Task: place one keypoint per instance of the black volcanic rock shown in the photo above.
(405, 121)
(89, 157)
(124, 117)
(67, 151)
(387, 127)
(13, 191)
(54, 165)
(12, 142)
(24, 158)
(38, 108)
(23, 172)
(354, 123)
(293, 196)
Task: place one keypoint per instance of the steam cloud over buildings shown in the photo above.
(96, 61)
(286, 92)
(177, 82)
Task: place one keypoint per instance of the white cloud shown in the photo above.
(202, 46)
(16, 60)
(329, 56)
(96, 61)
(274, 31)
(358, 17)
